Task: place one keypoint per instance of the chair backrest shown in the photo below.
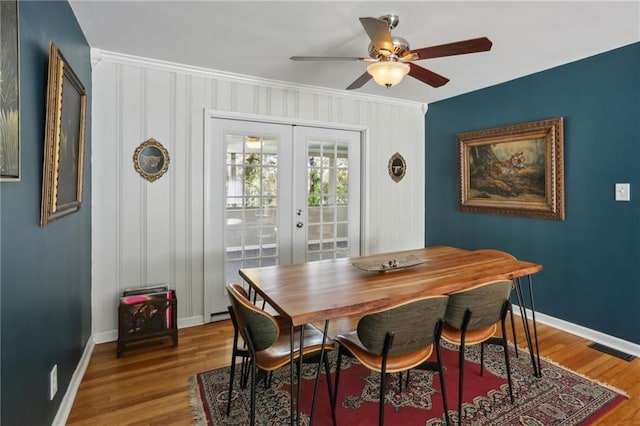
(263, 327)
(485, 302)
(240, 290)
(412, 323)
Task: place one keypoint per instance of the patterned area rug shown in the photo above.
(559, 397)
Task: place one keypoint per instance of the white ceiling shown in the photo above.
(257, 38)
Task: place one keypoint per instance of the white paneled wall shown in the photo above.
(148, 233)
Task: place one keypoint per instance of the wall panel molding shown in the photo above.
(147, 233)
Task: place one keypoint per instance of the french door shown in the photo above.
(276, 194)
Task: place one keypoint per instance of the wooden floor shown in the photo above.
(149, 384)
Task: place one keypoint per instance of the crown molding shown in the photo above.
(98, 56)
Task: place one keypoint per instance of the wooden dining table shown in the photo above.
(324, 290)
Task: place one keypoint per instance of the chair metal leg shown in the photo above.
(383, 386)
(252, 350)
(388, 343)
(234, 354)
(513, 331)
(246, 373)
(482, 358)
(231, 374)
(335, 386)
(463, 332)
(460, 378)
(436, 343)
(506, 361)
(252, 416)
(244, 367)
(264, 376)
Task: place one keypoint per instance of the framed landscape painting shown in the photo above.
(514, 170)
(62, 175)
(9, 92)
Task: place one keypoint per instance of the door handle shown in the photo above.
(299, 224)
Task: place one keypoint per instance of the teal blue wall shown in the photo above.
(591, 260)
(45, 272)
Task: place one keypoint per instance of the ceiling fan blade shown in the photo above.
(379, 33)
(360, 81)
(474, 45)
(427, 76)
(330, 58)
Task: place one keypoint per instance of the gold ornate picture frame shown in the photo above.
(151, 160)
(397, 167)
(10, 161)
(62, 175)
(513, 170)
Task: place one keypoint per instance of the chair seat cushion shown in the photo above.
(374, 362)
(278, 354)
(472, 337)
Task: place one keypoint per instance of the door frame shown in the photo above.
(210, 172)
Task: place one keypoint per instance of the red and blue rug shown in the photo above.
(559, 397)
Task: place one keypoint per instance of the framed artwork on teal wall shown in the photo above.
(64, 140)
(513, 170)
(9, 92)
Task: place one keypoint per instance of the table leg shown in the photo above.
(292, 364)
(298, 404)
(525, 324)
(320, 364)
(535, 328)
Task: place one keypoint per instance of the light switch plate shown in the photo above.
(623, 192)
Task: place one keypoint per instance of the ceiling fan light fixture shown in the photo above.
(388, 73)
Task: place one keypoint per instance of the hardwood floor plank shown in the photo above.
(149, 383)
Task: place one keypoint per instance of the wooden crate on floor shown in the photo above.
(146, 313)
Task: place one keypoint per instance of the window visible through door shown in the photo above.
(277, 194)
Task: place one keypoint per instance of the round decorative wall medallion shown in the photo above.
(151, 160)
(397, 167)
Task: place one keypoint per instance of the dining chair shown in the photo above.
(269, 344)
(241, 351)
(472, 318)
(396, 339)
(513, 287)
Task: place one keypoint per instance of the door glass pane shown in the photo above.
(327, 198)
(250, 237)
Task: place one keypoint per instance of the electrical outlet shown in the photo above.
(53, 382)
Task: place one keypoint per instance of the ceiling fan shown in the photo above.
(391, 57)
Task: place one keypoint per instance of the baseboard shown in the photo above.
(74, 384)
(586, 333)
(105, 336)
(190, 322)
(220, 317)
